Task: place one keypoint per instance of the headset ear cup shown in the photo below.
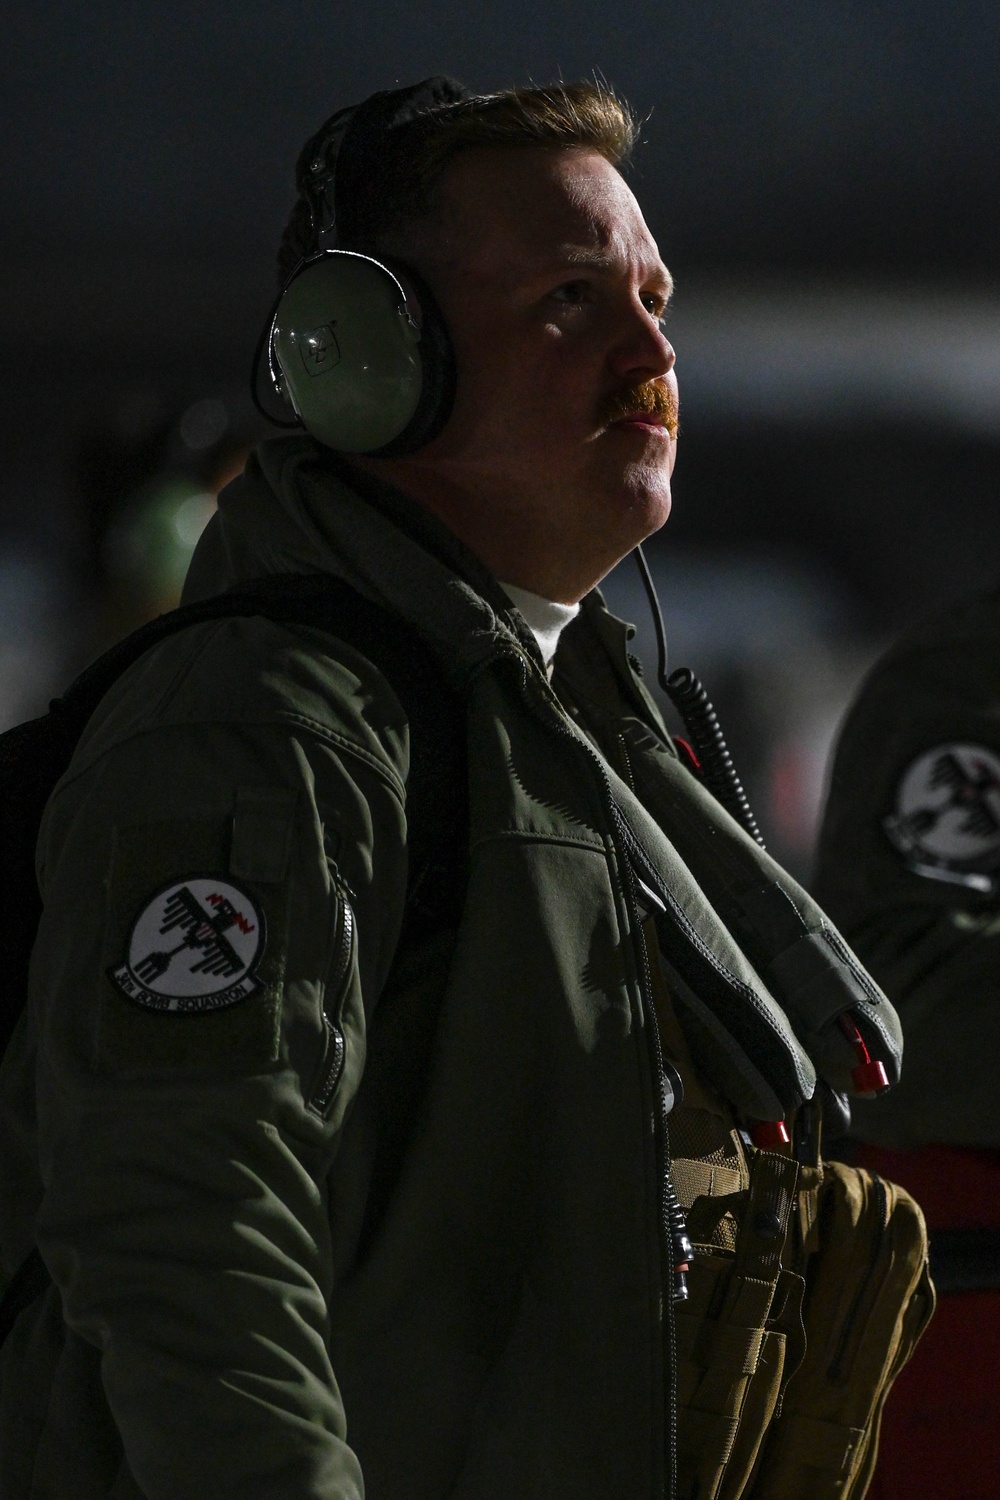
(367, 366)
(437, 359)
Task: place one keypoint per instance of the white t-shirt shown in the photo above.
(544, 617)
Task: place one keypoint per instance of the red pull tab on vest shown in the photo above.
(869, 1076)
(687, 755)
(768, 1135)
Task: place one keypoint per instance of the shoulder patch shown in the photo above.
(193, 947)
(946, 819)
(187, 936)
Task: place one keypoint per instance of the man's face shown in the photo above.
(551, 467)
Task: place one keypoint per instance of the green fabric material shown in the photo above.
(934, 947)
(466, 1228)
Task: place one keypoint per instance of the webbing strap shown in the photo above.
(705, 1433)
(720, 1346)
(773, 1180)
(827, 1446)
(695, 1179)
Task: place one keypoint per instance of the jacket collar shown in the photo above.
(299, 508)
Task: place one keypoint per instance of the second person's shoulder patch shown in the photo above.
(947, 810)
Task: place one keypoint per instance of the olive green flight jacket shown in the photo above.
(907, 863)
(298, 1234)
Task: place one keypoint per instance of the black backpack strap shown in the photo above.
(28, 1282)
(437, 783)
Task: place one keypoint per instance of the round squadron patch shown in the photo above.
(947, 813)
(193, 947)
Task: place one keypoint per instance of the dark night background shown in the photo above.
(821, 176)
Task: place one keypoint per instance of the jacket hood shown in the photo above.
(299, 509)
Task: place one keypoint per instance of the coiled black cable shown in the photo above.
(701, 721)
(709, 744)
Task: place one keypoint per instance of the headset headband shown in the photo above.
(344, 163)
(365, 368)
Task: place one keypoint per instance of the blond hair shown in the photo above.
(559, 114)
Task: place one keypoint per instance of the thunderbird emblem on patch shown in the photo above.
(947, 814)
(193, 947)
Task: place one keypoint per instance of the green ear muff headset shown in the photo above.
(356, 345)
(366, 366)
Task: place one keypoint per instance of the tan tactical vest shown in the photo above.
(809, 1289)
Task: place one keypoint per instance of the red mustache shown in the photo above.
(652, 398)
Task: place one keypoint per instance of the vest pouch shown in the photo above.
(781, 1354)
(868, 1299)
(731, 1355)
(728, 1383)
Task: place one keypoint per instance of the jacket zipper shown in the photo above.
(334, 1049)
(667, 1248)
(836, 1369)
(624, 843)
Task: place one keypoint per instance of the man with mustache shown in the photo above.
(557, 456)
(349, 1037)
